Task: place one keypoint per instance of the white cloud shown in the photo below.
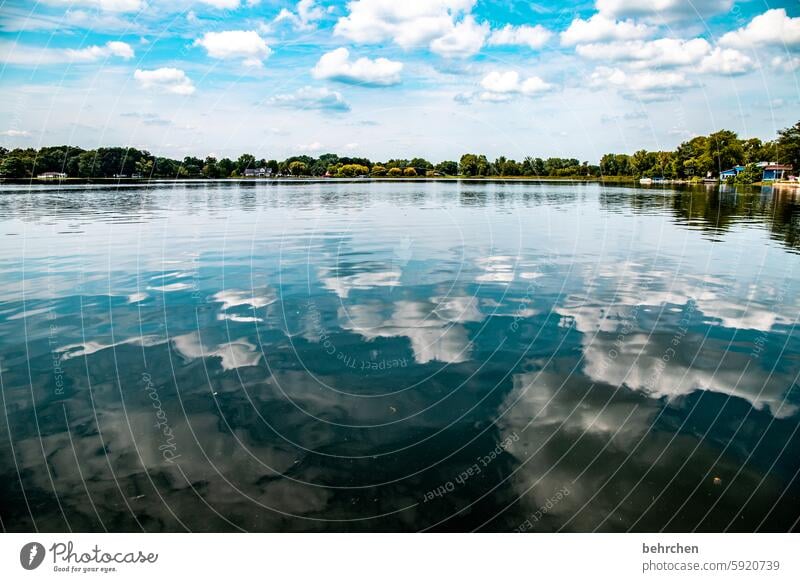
(726, 62)
(788, 64)
(660, 53)
(18, 54)
(663, 10)
(644, 86)
(534, 37)
(306, 14)
(311, 98)
(104, 5)
(236, 44)
(502, 86)
(774, 27)
(95, 53)
(222, 4)
(337, 66)
(415, 23)
(600, 28)
(314, 146)
(167, 79)
(15, 133)
(464, 40)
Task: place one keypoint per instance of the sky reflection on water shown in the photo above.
(398, 357)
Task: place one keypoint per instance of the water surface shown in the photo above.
(398, 357)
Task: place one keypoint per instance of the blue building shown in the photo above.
(774, 172)
(732, 173)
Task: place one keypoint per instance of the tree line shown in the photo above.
(708, 155)
(696, 158)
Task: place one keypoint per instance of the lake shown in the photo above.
(389, 356)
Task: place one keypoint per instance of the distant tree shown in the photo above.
(753, 149)
(396, 164)
(210, 169)
(788, 146)
(468, 165)
(643, 163)
(14, 166)
(244, 162)
(144, 167)
(395, 172)
(192, 167)
(421, 165)
(724, 149)
(749, 175)
(225, 167)
(409, 172)
(352, 170)
(378, 170)
(298, 168)
(448, 168)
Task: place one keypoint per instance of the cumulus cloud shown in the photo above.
(600, 28)
(784, 63)
(726, 62)
(18, 54)
(337, 66)
(464, 40)
(772, 28)
(445, 26)
(694, 55)
(15, 133)
(166, 79)
(660, 53)
(223, 4)
(503, 85)
(642, 86)
(663, 10)
(104, 5)
(304, 17)
(236, 44)
(314, 146)
(534, 37)
(95, 53)
(311, 98)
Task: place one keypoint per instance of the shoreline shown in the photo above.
(627, 180)
(610, 181)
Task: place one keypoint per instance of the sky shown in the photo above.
(395, 78)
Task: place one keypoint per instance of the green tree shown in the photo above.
(245, 161)
(468, 165)
(788, 146)
(409, 172)
(378, 170)
(421, 165)
(395, 172)
(724, 149)
(351, 170)
(749, 175)
(14, 166)
(298, 168)
(193, 167)
(210, 169)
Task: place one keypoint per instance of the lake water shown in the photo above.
(398, 357)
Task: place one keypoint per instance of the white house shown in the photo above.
(257, 172)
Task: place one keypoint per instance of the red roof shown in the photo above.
(778, 167)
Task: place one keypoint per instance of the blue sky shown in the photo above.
(389, 78)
